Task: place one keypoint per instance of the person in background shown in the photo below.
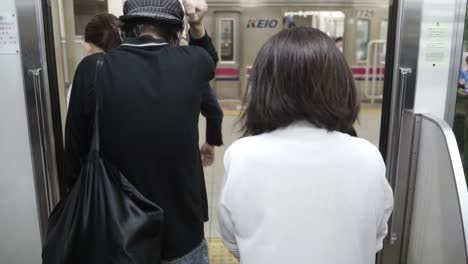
(463, 80)
(296, 188)
(151, 92)
(101, 35)
(339, 43)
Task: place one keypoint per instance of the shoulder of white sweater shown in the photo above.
(308, 135)
(246, 144)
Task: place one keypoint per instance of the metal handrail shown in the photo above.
(374, 46)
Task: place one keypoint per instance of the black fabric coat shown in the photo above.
(151, 97)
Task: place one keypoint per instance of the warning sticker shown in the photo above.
(9, 41)
(436, 42)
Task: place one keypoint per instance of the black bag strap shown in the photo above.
(96, 142)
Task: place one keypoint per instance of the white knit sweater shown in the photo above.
(304, 195)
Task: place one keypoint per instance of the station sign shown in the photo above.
(262, 23)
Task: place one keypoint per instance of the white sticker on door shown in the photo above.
(436, 42)
(9, 41)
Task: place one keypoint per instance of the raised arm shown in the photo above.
(204, 42)
(198, 36)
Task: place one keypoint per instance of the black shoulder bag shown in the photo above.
(104, 219)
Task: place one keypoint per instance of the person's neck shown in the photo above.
(95, 49)
(151, 34)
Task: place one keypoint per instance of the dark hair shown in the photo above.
(103, 31)
(338, 39)
(165, 29)
(300, 75)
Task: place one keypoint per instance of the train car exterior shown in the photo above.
(239, 30)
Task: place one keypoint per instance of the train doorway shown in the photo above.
(238, 29)
(405, 58)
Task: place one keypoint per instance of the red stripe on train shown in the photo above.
(362, 71)
(354, 70)
(227, 72)
(233, 72)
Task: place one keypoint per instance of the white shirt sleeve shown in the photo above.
(225, 223)
(386, 209)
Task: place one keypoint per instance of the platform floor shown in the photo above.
(368, 127)
(218, 253)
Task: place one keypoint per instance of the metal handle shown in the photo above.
(404, 73)
(395, 149)
(399, 108)
(40, 118)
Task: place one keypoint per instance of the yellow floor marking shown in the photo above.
(218, 253)
(231, 112)
(364, 111)
(371, 110)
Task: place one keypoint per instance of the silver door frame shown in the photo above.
(37, 94)
(403, 139)
(401, 130)
(456, 60)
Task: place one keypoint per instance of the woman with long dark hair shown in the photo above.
(297, 187)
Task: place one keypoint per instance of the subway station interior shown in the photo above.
(407, 58)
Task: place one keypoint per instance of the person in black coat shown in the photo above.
(151, 93)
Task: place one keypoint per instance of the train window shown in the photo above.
(330, 22)
(84, 11)
(226, 40)
(383, 36)
(362, 39)
(383, 29)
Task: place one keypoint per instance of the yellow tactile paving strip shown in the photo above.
(232, 108)
(218, 253)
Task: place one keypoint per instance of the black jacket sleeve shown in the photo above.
(79, 124)
(207, 44)
(211, 110)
